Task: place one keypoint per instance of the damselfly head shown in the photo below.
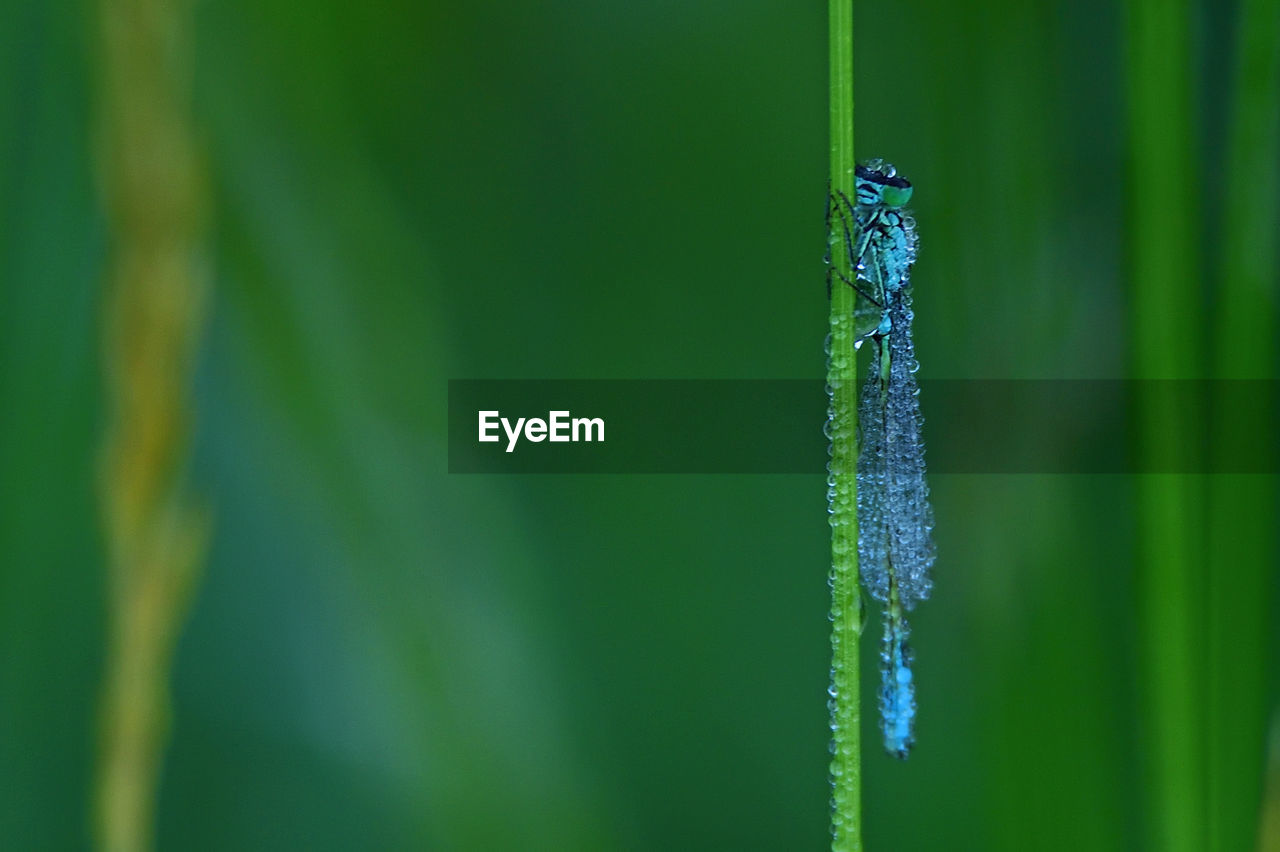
(883, 180)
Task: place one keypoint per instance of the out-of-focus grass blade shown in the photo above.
(1241, 534)
(1164, 300)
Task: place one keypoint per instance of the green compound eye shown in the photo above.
(896, 196)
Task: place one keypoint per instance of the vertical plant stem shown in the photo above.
(1242, 507)
(846, 615)
(152, 308)
(1165, 330)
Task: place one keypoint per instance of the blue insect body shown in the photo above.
(895, 519)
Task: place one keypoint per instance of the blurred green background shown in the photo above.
(384, 656)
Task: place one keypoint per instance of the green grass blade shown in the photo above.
(1241, 509)
(846, 769)
(1164, 315)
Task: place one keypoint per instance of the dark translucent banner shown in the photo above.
(775, 426)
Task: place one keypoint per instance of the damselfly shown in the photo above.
(895, 519)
